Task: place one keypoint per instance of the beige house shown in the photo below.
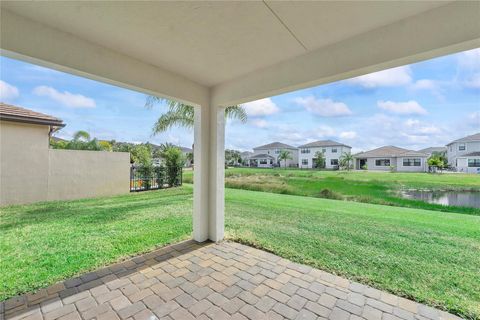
(391, 158)
(30, 171)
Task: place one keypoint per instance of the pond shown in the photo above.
(446, 198)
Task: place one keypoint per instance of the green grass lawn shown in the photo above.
(432, 257)
(360, 186)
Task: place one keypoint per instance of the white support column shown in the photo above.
(209, 172)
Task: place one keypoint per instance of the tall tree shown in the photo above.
(284, 155)
(182, 115)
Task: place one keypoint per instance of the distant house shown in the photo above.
(267, 155)
(391, 157)
(332, 151)
(245, 155)
(464, 154)
(185, 151)
(434, 151)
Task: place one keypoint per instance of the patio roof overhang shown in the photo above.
(215, 54)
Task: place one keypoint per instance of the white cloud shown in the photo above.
(470, 59)
(348, 135)
(259, 123)
(474, 119)
(387, 78)
(66, 98)
(474, 81)
(417, 126)
(8, 92)
(424, 84)
(408, 107)
(323, 107)
(262, 107)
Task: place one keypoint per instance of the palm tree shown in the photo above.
(182, 115)
(346, 159)
(284, 155)
(81, 135)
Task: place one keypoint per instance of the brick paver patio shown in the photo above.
(212, 281)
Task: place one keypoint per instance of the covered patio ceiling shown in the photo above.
(215, 54)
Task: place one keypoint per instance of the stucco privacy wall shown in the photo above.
(75, 174)
(31, 172)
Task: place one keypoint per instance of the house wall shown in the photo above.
(422, 168)
(272, 152)
(329, 155)
(462, 165)
(31, 172)
(24, 162)
(453, 153)
(371, 164)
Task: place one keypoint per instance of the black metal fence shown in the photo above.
(143, 179)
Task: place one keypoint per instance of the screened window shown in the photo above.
(263, 161)
(474, 163)
(304, 162)
(412, 162)
(334, 162)
(324, 150)
(461, 147)
(334, 150)
(382, 162)
(304, 150)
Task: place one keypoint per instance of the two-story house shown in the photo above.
(332, 151)
(464, 154)
(266, 156)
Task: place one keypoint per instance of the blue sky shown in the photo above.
(424, 104)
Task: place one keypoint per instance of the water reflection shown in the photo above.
(446, 198)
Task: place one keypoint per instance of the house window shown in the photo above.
(334, 150)
(474, 163)
(263, 161)
(304, 150)
(304, 162)
(324, 150)
(382, 162)
(412, 162)
(461, 147)
(334, 162)
(277, 151)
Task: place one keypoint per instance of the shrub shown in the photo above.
(329, 194)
